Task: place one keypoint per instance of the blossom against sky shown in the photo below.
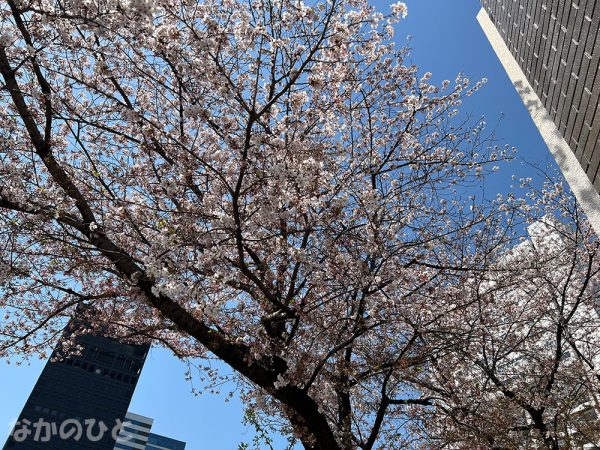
(446, 39)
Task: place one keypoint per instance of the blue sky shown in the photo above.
(446, 39)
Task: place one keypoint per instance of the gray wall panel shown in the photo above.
(557, 45)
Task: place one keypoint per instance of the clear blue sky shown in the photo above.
(446, 39)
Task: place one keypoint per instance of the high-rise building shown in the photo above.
(158, 442)
(550, 49)
(136, 435)
(135, 432)
(80, 399)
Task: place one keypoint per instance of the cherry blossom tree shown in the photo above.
(269, 183)
(526, 371)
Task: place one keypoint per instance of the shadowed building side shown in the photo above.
(98, 384)
(550, 49)
(158, 442)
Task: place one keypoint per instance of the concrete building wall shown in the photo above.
(551, 51)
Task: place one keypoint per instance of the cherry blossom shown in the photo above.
(272, 184)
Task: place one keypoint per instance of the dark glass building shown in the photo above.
(157, 442)
(96, 384)
(551, 51)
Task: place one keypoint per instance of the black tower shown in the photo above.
(97, 383)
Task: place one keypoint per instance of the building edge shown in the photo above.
(580, 184)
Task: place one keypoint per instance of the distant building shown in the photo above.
(157, 442)
(550, 49)
(97, 384)
(135, 432)
(136, 435)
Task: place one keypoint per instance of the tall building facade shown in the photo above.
(79, 400)
(136, 435)
(158, 442)
(551, 52)
(135, 432)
